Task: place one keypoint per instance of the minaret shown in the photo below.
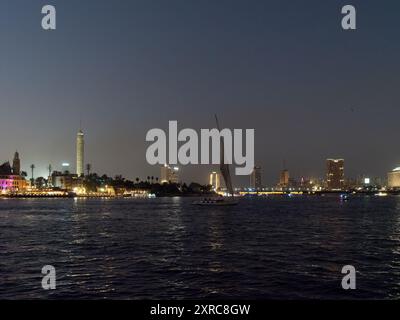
(80, 153)
(16, 164)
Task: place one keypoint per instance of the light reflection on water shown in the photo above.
(167, 248)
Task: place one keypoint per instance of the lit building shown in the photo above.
(255, 179)
(169, 175)
(109, 191)
(394, 178)
(284, 179)
(164, 178)
(215, 181)
(80, 154)
(335, 174)
(10, 182)
(174, 175)
(64, 181)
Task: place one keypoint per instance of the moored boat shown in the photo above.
(216, 202)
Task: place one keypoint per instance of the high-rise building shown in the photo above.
(255, 179)
(169, 175)
(164, 176)
(16, 164)
(394, 178)
(80, 153)
(335, 174)
(284, 179)
(215, 181)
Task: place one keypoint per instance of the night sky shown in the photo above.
(285, 68)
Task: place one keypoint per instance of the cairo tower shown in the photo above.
(80, 153)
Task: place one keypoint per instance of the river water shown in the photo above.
(264, 248)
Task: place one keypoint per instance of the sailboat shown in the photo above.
(226, 174)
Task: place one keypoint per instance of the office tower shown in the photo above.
(255, 179)
(80, 155)
(215, 181)
(394, 178)
(335, 174)
(169, 175)
(284, 179)
(16, 164)
(164, 174)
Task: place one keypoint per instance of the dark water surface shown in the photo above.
(273, 248)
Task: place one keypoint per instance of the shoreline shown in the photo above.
(71, 195)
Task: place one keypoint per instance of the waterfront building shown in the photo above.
(215, 181)
(308, 184)
(110, 191)
(169, 175)
(65, 180)
(255, 179)
(394, 178)
(10, 182)
(335, 174)
(80, 153)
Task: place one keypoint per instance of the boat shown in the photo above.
(221, 201)
(225, 171)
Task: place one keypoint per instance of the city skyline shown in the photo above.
(167, 174)
(310, 93)
(334, 167)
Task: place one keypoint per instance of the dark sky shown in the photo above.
(284, 68)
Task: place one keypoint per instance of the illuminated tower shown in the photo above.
(80, 153)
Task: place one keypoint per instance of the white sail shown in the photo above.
(225, 171)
